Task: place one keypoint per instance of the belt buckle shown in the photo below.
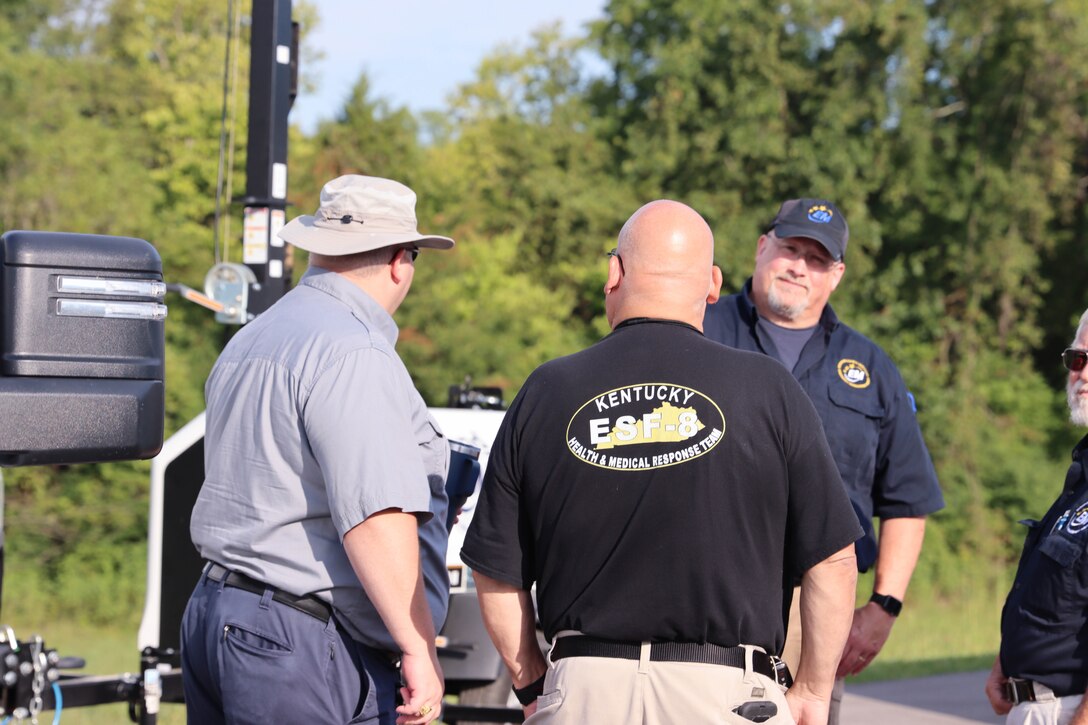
(781, 671)
(1013, 688)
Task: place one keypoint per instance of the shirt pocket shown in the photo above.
(1064, 551)
(853, 432)
(1051, 590)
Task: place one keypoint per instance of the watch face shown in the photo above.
(888, 603)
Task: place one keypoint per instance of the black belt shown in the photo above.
(707, 654)
(306, 604)
(1018, 690)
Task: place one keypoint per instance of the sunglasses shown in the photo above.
(1075, 359)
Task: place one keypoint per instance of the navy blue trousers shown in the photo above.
(248, 659)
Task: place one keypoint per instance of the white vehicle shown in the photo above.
(476, 428)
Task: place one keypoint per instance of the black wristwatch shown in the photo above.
(888, 603)
(530, 692)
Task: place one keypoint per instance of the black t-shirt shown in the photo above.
(659, 486)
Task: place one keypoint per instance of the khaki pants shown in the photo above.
(601, 690)
(791, 655)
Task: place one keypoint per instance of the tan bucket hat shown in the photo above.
(357, 214)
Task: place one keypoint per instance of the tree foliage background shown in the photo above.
(953, 135)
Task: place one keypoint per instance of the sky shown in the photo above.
(416, 52)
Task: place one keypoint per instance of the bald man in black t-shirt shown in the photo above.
(655, 488)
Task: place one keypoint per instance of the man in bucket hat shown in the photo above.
(868, 415)
(322, 515)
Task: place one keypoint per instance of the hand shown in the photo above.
(1080, 717)
(995, 689)
(423, 690)
(806, 707)
(868, 633)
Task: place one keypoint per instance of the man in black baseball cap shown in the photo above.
(813, 219)
(867, 412)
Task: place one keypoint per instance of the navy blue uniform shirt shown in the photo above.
(867, 413)
(1044, 626)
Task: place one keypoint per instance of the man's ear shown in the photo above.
(764, 240)
(401, 259)
(615, 275)
(715, 285)
(837, 272)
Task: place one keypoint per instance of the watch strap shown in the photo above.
(526, 695)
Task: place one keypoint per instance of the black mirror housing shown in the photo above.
(82, 346)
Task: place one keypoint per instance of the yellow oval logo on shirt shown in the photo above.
(645, 426)
(854, 373)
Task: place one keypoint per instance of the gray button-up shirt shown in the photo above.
(313, 424)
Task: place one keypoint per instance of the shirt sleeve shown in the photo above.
(905, 482)
(357, 418)
(499, 542)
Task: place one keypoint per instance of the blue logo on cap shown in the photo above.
(820, 214)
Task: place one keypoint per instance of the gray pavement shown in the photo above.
(955, 699)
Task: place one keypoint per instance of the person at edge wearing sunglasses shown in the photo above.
(1040, 675)
(322, 514)
(868, 415)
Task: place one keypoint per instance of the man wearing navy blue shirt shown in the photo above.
(867, 413)
(1041, 673)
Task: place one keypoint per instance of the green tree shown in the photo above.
(514, 174)
(111, 126)
(951, 135)
(521, 180)
(473, 312)
(987, 148)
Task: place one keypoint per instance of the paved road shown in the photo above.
(955, 699)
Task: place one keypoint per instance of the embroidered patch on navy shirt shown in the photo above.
(854, 373)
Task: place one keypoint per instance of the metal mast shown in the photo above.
(273, 75)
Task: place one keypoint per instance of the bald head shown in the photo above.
(665, 267)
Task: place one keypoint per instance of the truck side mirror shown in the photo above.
(81, 348)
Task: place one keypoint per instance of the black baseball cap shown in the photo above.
(816, 219)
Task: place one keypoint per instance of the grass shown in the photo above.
(108, 650)
(892, 670)
(939, 633)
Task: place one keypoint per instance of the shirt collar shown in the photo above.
(828, 319)
(362, 305)
(1076, 473)
(658, 320)
(1081, 448)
